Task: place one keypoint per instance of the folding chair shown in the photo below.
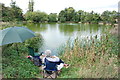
(50, 70)
(36, 59)
(32, 52)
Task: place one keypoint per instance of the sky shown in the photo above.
(55, 6)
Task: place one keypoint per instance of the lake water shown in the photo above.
(56, 34)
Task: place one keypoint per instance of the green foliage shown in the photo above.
(52, 17)
(81, 15)
(29, 16)
(36, 16)
(91, 17)
(61, 16)
(13, 13)
(14, 61)
(19, 67)
(67, 14)
(70, 12)
(109, 16)
(35, 42)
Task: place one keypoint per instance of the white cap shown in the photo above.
(47, 52)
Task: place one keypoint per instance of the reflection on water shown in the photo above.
(56, 34)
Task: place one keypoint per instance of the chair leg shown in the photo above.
(43, 73)
(52, 76)
(56, 74)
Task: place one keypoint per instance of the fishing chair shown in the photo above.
(32, 52)
(36, 57)
(50, 70)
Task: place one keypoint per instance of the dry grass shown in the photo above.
(91, 61)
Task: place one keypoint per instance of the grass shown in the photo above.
(94, 58)
(91, 59)
(16, 65)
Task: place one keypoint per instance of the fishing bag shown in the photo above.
(37, 61)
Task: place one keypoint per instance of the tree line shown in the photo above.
(14, 13)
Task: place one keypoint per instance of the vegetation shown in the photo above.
(36, 16)
(91, 59)
(69, 14)
(30, 6)
(94, 58)
(14, 13)
(52, 17)
(112, 16)
(15, 64)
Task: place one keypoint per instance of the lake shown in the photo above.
(56, 34)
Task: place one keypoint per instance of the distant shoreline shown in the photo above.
(3, 24)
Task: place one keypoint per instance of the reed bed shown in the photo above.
(94, 58)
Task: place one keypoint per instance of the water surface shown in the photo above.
(56, 34)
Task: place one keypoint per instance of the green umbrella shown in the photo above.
(15, 35)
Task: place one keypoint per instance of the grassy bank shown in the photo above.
(15, 64)
(91, 59)
(94, 58)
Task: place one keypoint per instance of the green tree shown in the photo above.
(36, 16)
(13, 13)
(76, 17)
(113, 17)
(5, 13)
(40, 16)
(16, 12)
(70, 14)
(52, 17)
(29, 16)
(91, 17)
(80, 16)
(105, 16)
(87, 17)
(30, 6)
(96, 18)
(61, 16)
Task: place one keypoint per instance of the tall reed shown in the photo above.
(95, 58)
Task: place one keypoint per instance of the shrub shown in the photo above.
(20, 67)
(14, 62)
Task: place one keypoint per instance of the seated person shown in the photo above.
(55, 59)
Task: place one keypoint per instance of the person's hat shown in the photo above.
(48, 53)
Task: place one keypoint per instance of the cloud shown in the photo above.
(55, 6)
